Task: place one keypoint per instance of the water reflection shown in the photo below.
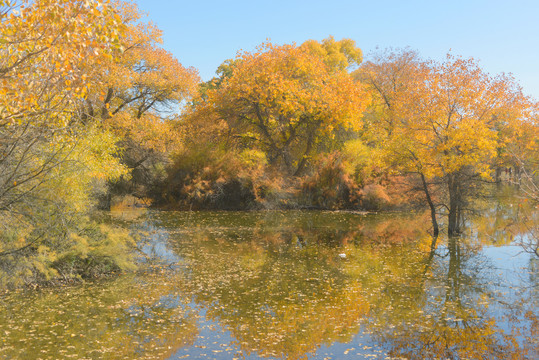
(122, 319)
(291, 285)
(452, 314)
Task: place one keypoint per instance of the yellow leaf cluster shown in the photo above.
(289, 96)
(439, 118)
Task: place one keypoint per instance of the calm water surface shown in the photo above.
(291, 285)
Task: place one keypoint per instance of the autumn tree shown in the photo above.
(441, 122)
(522, 155)
(46, 47)
(337, 55)
(50, 156)
(141, 91)
(284, 100)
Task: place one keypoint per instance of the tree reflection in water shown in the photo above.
(122, 319)
(272, 285)
(458, 312)
(285, 293)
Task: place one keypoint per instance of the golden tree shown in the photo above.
(50, 155)
(139, 95)
(441, 121)
(284, 100)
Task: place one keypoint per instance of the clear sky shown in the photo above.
(502, 35)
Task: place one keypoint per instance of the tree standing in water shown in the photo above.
(443, 122)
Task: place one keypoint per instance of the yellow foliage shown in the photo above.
(52, 156)
(338, 55)
(438, 119)
(283, 100)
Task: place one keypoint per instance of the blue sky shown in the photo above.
(502, 35)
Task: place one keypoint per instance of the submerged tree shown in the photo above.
(524, 154)
(442, 122)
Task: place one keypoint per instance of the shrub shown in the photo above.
(331, 186)
(207, 178)
(82, 249)
(374, 197)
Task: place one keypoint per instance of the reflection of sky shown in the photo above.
(503, 273)
(362, 346)
(215, 342)
(511, 264)
(155, 245)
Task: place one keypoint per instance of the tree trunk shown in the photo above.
(453, 225)
(435, 228)
(498, 175)
(303, 161)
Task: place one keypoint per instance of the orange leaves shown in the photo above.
(48, 47)
(438, 118)
(289, 96)
(150, 132)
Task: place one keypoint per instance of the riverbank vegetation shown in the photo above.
(93, 109)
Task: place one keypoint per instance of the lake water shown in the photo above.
(291, 285)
